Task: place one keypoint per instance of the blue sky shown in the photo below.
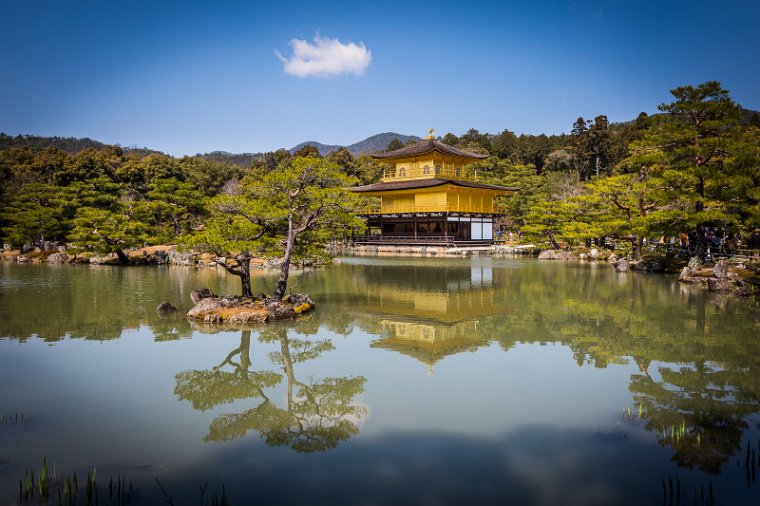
(191, 76)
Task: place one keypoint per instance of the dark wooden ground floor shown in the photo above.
(442, 229)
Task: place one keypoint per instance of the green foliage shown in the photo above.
(291, 211)
(696, 165)
(683, 171)
(307, 151)
(693, 156)
(504, 145)
(37, 143)
(231, 229)
(544, 222)
(624, 206)
(39, 212)
(174, 207)
(309, 193)
(208, 176)
(364, 168)
(307, 203)
(107, 231)
(394, 144)
(553, 213)
(151, 198)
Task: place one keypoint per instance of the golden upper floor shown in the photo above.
(429, 159)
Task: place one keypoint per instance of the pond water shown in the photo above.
(416, 381)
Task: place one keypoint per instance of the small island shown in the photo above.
(238, 310)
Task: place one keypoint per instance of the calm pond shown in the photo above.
(416, 381)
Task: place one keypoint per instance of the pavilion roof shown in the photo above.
(427, 183)
(426, 146)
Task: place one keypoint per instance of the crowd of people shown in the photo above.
(720, 242)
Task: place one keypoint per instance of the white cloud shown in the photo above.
(325, 57)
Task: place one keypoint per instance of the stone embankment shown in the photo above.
(237, 310)
(430, 251)
(737, 277)
(150, 255)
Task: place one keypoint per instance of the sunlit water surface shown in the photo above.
(416, 381)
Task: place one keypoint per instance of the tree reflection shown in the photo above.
(318, 414)
(700, 411)
(208, 388)
(694, 351)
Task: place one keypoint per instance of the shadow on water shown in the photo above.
(536, 466)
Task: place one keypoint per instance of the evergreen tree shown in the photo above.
(394, 144)
(693, 151)
(292, 210)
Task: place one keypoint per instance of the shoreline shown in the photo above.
(738, 275)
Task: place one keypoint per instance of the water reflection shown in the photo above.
(445, 292)
(317, 414)
(206, 389)
(430, 341)
(694, 356)
(699, 378)
(53, 302)
(700, 410)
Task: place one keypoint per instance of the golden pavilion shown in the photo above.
(429, 196)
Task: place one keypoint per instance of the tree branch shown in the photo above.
(229, 268)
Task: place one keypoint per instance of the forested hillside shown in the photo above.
(689, 171)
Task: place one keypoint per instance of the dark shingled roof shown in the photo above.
(426, 146)
(426, 183)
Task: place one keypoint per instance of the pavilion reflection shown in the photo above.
(431, 341)
(427, 311)
(447, 293)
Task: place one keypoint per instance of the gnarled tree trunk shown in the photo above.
(123, 258)
(245, 277)
(241, 270)
(282, 284)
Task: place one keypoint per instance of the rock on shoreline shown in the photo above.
(722, 277)
(149, 255)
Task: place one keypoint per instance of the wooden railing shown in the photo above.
(405, 239)
(413, 209)
(420, 240)
(437, 172)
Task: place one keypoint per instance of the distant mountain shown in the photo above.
(70, 145)
(323, 148)
(242, 159)
(36, 143)
(369, 145)
(379, 142)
